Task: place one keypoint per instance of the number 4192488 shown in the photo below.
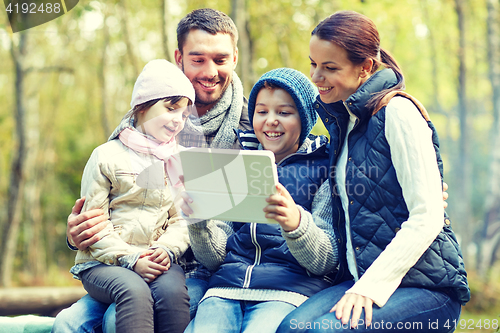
(31, 8)
(471, 324)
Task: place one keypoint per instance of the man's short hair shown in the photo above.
(209, 20)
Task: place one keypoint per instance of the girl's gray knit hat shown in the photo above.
(299, 87)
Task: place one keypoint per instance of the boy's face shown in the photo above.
(276, 122)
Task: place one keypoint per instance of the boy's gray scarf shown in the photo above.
(220, 121)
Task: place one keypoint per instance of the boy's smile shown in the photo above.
(272, 135)
(276, 122)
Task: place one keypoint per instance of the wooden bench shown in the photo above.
(45, 301)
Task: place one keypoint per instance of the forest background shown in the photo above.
(66, 84)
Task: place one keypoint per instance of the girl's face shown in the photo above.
(276, 122)
(163, 120)
(335, 75)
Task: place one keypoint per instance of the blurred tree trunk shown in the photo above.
(493, 23)
(436, 105)
(284, 51)
(33, 253)
(128, 41)
(245, 71)
(464, 219)
(11, 229)
(491, 225)
(32, 215)
(165, 30)
(103, 82)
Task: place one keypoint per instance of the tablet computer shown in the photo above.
(229, 184)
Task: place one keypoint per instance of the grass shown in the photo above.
(475, 323)
(482, 313)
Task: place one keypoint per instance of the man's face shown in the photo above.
(208, 61)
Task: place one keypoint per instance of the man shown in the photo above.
(207, 54)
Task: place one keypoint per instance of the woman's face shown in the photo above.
(335, 75)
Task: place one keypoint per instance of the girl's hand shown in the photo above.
(148, 269)
(283, 209)
(356, 303)
(161, 257)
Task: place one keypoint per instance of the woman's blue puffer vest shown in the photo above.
(375, 195)
(257, 254)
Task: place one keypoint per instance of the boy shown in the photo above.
(264, 271)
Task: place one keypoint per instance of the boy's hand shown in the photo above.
(283, 209)
(148, 269)
(82, 228)
(184, 202)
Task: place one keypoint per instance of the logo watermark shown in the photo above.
(26, 14)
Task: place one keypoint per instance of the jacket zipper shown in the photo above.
(339, 148)
(258, 254)
(350, 231)
(336, 121)
(341, 268)
(350, 113)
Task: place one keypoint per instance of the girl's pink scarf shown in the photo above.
(166, 151)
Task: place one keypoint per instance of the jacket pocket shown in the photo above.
(126, 180)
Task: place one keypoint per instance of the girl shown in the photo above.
(134, 264)
(400, 267)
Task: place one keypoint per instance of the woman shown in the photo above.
(400, 267)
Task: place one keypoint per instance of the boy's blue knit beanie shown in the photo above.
(299, 87)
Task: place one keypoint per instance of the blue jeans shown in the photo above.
(196, 291)
(91, 316)
(225, 315)
(408, 309)
(84, 316)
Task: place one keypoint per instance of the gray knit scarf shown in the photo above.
(216, 127)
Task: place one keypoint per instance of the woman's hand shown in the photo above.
(283, 209)
(354, 303)
(445, 195)
(82, 228)
(148, 269)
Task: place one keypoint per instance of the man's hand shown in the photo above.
(82, 228)
(283, 209)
